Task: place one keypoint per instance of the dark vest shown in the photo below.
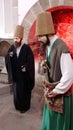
(55, 70)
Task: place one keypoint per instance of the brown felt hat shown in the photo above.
(19, 31)
(44, 24)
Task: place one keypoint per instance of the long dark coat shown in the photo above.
(23, 81)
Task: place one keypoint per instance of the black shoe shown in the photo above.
(23, 111)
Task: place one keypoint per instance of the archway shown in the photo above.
(4, 46)
(63, 22)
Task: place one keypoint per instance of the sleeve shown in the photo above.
(30, 66)
(66, 80)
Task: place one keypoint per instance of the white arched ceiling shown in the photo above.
(23, 8)
(40, 6)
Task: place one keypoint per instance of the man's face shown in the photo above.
(42, 39)
(17, 42)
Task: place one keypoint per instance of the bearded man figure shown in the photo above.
(58, 90)
(23, 71)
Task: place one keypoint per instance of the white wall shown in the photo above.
(8, 17)
(23, 8)
(1, 17)
(12, 13)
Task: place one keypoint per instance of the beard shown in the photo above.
(17, 44)
(43, 45)
(48, 41)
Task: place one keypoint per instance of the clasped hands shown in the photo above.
(48, 92)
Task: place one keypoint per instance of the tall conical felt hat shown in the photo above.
(44, 24)
(19, 31)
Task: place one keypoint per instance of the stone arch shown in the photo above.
(4, 46)
(38, 7)
(63, 22)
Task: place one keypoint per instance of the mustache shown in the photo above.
(42, 44)
(47, 43)
(17, 42)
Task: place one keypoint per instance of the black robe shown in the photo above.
(23, 81)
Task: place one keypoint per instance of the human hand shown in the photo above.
(23, 69)
(11, 54)
(52, 94)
